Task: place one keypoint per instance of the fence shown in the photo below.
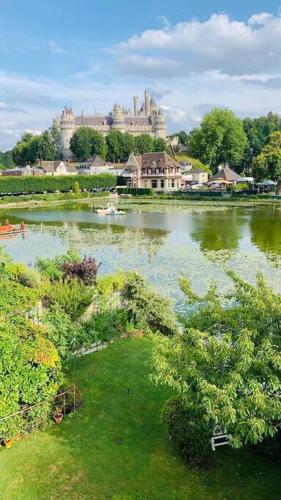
(28, 418)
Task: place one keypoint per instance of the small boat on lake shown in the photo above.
(10, 229)
(110, 210)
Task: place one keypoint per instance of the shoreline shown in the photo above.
(59, 200)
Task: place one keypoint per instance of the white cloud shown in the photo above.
(54, 47)
(190, 68)
(233, 47)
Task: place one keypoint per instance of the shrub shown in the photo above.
(136, 191)
(190, 435)
(146, 308)
(107, 326)
(62, 332)
(36, 184)
(29, 374)
(30, 277)
(71, 296)
(52, 268)
(76, 188)
(84, 271)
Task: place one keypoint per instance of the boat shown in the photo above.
(9, 229)
(110, 210)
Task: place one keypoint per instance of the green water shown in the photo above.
(160, 241)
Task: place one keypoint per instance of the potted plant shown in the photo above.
(58, 415)
(8, 443)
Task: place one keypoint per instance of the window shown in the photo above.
(154, 183)
(162, 183)
(173, 183)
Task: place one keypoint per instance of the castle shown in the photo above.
(144, 119)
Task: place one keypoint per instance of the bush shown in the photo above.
(136, 191)
(76, 188)
(62, 332)
(107, 326)
(146, 309)
(84, 271)
(52, 268)
(36, 184)
(71, 296)
(190, 435)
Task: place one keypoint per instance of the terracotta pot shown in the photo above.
(9, 443)
(58, 418)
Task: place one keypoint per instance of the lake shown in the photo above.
(161, 241)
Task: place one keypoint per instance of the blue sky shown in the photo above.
(191, 55)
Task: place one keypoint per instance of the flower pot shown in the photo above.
(58, 418)
(9, 443)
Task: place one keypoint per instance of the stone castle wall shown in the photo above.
(148, 119)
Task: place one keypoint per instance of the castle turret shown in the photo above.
(118, 118)
(136, 105)
(160, 125)
(146, 103)
(153, 106)
(67, 129)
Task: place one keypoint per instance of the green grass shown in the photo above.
(115, 446)
(195, 162)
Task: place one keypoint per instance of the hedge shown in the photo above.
(36, 184)
(136, 191)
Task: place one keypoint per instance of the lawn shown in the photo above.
(115, 446)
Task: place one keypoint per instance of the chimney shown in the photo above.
(136, 105)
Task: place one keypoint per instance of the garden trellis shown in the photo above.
(61, 399)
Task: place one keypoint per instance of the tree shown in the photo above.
(6, 159)
(159, 144)
(21, 150)
(98, 144)
(55, 134)
(86, 142)
(258, 131)
(224, 368)
(144, 143)
(113, 142)
(42, 147)
(267, 165)
(127, 146)
(219, 139)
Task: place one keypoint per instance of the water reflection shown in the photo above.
(218, 232)
(265, 225)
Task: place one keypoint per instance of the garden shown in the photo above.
(136, 419)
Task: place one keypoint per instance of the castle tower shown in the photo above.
(67, 129)
(146, 103)
(118, 118)
(136, 105)
(160, 125)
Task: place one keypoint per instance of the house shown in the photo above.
(225, 176)
(153, 170)
(57, 168)
(22, 171)
(93, 166)
(199, 176)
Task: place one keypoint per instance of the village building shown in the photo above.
(145, 119)
(153, 170)
(96, 165)
(225, 176)
(194, 177)
(22, 171)
(57, 168)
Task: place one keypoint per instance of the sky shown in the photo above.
(191, 55)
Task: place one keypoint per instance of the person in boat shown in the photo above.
(22, 226)
(7, 227)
